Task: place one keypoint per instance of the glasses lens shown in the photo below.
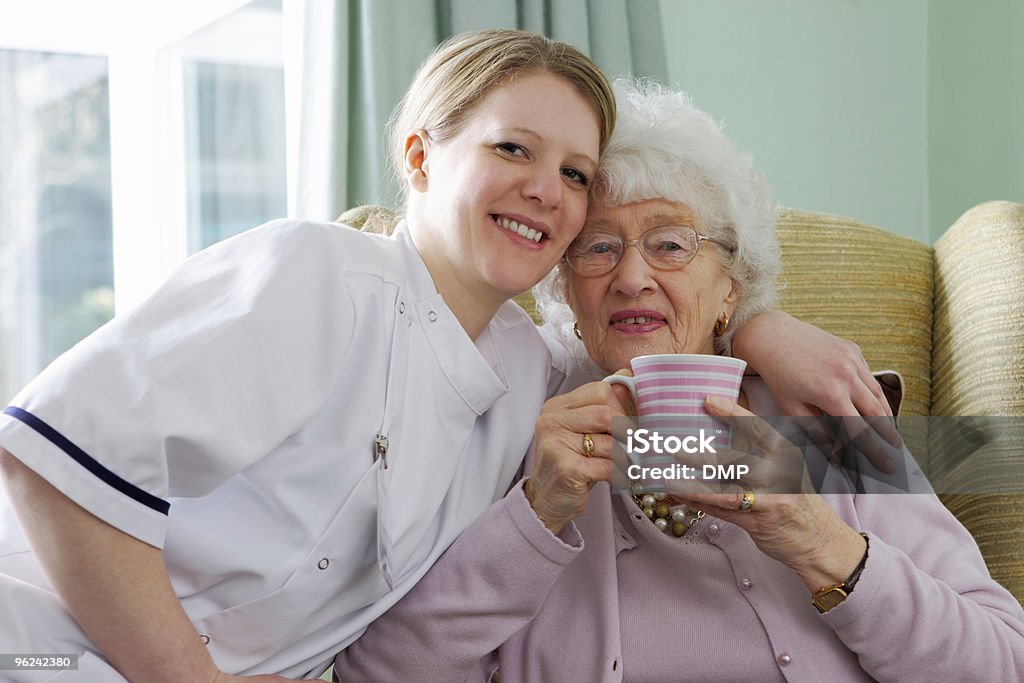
(670, 247)
(594, 253)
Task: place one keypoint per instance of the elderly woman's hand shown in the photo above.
(573, 449)
(798, 529)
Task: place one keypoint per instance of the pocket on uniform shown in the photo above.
(338, 577)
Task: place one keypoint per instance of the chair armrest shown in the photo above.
(978, 369)
(978, 338)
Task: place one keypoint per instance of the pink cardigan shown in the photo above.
(633, 604)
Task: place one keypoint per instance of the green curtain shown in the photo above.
(357, 57)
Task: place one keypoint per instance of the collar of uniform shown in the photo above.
(473, 368)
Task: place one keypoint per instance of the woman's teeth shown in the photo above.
(637, 321)
(519, 229)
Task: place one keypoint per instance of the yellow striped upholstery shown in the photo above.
(867, 285)
(978, 368)
(979, 313)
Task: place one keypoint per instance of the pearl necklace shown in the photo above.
(655, 505)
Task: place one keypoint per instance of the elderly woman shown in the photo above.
(839, 586)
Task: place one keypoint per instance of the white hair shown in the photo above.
(665, 147)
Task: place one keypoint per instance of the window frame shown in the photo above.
(147, 118)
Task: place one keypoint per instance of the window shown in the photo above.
(56, 255)
(125, 146)
(233, 132)
(235, 160)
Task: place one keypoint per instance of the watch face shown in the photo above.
(829, 599)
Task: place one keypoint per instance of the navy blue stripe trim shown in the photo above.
(85, 460)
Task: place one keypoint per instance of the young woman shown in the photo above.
(244, 472)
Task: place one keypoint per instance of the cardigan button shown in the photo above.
(713, 530)
(746, 584)
(785, 659)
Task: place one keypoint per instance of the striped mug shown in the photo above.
(669, 392)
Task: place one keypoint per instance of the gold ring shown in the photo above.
(748, 501)
(588, 445)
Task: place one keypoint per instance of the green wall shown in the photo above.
(975, 105)
(901, 113)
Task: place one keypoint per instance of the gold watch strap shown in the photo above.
(830, 596)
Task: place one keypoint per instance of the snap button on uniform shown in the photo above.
(205, 639)
(401, 307)
(323, 563)
(432, 317)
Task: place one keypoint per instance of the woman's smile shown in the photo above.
(633, 321)
(523, 230)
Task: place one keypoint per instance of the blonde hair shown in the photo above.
(465, 68)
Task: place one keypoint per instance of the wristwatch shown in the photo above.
(830, 596)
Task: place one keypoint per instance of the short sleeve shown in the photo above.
(228, 358)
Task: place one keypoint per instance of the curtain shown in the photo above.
(348, 62)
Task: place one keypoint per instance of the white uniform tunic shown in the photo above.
(232, 420)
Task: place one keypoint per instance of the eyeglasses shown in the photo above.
(667, 248)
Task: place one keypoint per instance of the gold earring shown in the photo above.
(576, 330)
(722, 326)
